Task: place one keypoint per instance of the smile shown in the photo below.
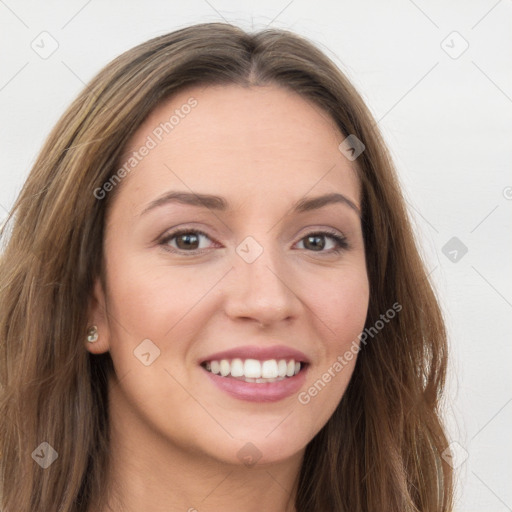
(252, 370)
(239, 378)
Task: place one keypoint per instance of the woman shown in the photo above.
(211, 297)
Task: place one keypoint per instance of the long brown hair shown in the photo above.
(380, 450)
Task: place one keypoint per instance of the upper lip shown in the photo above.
(260, 353)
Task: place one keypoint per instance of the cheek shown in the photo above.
(155, 302)
(151, 297)
(340, 302)
(340, 307)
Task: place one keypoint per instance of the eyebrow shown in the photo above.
(218, 203)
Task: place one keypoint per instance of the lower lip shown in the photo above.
(264, 392)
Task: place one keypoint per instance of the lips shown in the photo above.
(274, 359)
(256, 391)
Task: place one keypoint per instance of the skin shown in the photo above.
(175, 436)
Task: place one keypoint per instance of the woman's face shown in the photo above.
(268, 273)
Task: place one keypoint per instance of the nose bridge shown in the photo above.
(261, 289)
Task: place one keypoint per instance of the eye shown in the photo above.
(186, 240)
(320, 240)
(194, 241)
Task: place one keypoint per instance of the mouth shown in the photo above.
(254, 370)
(253, 380)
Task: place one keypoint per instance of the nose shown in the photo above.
(261, 291)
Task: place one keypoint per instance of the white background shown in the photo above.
(448, 122)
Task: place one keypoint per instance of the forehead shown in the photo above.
(259, 141)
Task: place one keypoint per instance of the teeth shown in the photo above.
(281, 368)
(237, 368)
(225, 368)
(252, 370)
(269, 369)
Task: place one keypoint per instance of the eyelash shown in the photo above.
(341, 241)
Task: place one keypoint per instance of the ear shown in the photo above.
(98, 317)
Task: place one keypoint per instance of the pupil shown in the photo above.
(189, 241)
(317, 242)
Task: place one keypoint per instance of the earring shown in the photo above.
(92, 334)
